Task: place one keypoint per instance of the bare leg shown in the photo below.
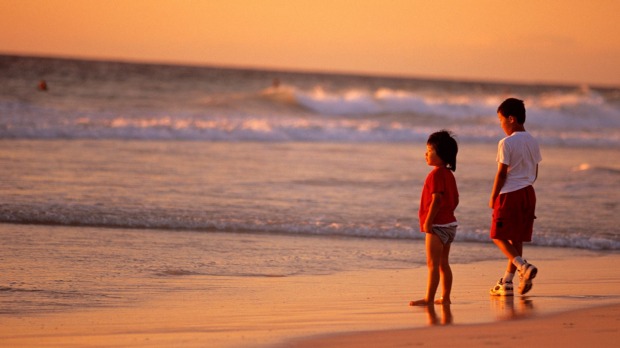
(446, 276)
(511, 249)
(434, 252)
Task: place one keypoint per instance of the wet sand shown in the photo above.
(593, 327)
(345, 309)
(575, 303)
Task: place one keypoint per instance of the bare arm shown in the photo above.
(432, 211)
(500, 179)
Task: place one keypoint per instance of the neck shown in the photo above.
(517, 128)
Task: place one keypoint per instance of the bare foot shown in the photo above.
(422, 302)
(443, 301)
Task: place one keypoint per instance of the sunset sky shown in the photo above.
(566, 41)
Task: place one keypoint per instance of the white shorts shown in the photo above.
(445, 233)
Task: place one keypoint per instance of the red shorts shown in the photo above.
(513, 215)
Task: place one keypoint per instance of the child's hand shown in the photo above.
(428, 226)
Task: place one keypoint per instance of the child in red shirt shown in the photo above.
(439, 199)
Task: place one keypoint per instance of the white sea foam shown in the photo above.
(295, 113)
(317, 155)
(94, 217)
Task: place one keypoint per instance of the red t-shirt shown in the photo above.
(439, 180)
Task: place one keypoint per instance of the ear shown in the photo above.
(512, 119)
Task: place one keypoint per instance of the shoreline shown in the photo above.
(307, 311)
(163, 306)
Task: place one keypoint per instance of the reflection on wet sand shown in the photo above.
(507, 307)
(433, 317)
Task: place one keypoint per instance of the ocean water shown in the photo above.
(111, 100)
(251, 165)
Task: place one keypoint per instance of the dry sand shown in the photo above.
(315, 311)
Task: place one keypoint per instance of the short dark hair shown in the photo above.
(445, 146)
(513, 107)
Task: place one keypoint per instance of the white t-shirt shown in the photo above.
(521, 153)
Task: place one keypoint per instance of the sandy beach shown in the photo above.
(147, 204)
(575, 301)
(594, 327)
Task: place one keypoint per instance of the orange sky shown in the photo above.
(571, 41)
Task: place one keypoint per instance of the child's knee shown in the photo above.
(445, 267)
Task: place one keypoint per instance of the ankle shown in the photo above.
(508, 277)
(518, 262)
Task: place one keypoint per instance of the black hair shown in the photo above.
(445, 146)
(513, 107)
